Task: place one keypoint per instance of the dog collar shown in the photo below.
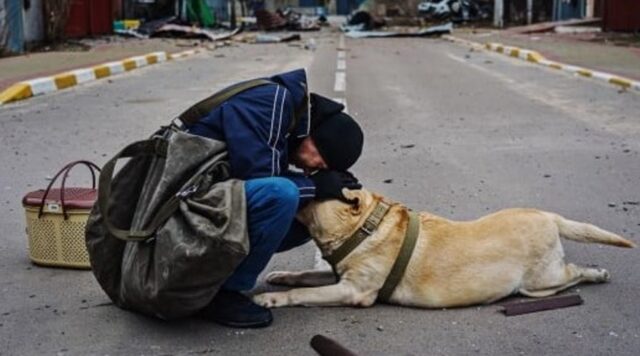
(370, 225)
(404, 255)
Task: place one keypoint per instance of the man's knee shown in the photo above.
(286, 193)
(274, 191)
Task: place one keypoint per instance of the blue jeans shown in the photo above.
(272, 204)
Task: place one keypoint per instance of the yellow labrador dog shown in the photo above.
(453, 263)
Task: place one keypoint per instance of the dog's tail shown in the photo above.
(583, 232)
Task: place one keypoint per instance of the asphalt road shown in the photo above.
(450, 131)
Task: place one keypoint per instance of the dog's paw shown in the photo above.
(271, 300)
(280, 278)
(605, 275)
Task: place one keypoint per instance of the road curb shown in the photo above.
(45, 85)
(535, 57)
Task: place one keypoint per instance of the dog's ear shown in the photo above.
(352, 195)
(356, 198)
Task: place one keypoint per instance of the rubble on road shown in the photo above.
(130, 33)
(300, 22)
(362, 24)
(172, 27)
(455, 10)
(403, 32)
(287, 20)
(267, 38)
(362, 21)
(173, 30)
(150, 27)
(269, 21)
(293, 39)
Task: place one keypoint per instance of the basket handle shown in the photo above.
(66, 169)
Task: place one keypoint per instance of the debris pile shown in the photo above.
(404, 32)
(362, 21)
(281, 20)
(455, 10)
(288, 20)
(362, 24)
(172, 27)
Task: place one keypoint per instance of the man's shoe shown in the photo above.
(234, 309)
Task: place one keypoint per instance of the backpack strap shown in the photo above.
(204, 107)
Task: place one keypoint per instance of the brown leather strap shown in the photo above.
(65, 173)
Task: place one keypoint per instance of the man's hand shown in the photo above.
(329, 184)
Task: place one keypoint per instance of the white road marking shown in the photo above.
(341, 74)
(456, 58)
(341, 65)
(341, 82)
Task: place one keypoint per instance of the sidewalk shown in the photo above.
(581, 50)
(38, 64)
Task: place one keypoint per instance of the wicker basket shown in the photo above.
(56, 220)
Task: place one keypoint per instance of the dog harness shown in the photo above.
(367, 229)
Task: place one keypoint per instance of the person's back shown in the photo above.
(267, 129)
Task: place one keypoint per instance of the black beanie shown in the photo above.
(339, 140)
(322, 108)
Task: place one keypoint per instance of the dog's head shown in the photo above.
(331, 221)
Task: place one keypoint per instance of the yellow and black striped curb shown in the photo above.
(44, 85)
(535, 57)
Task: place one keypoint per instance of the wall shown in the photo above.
(89, 18)
(14, 34)
(589, 10)
(4, 30)
(33, 22)
(621, 15)
(569, 9)
(221, 9)
(150, 10)
(272, 5)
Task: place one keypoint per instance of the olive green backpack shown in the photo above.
(171, 226)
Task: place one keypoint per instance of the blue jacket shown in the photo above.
(255, 125)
